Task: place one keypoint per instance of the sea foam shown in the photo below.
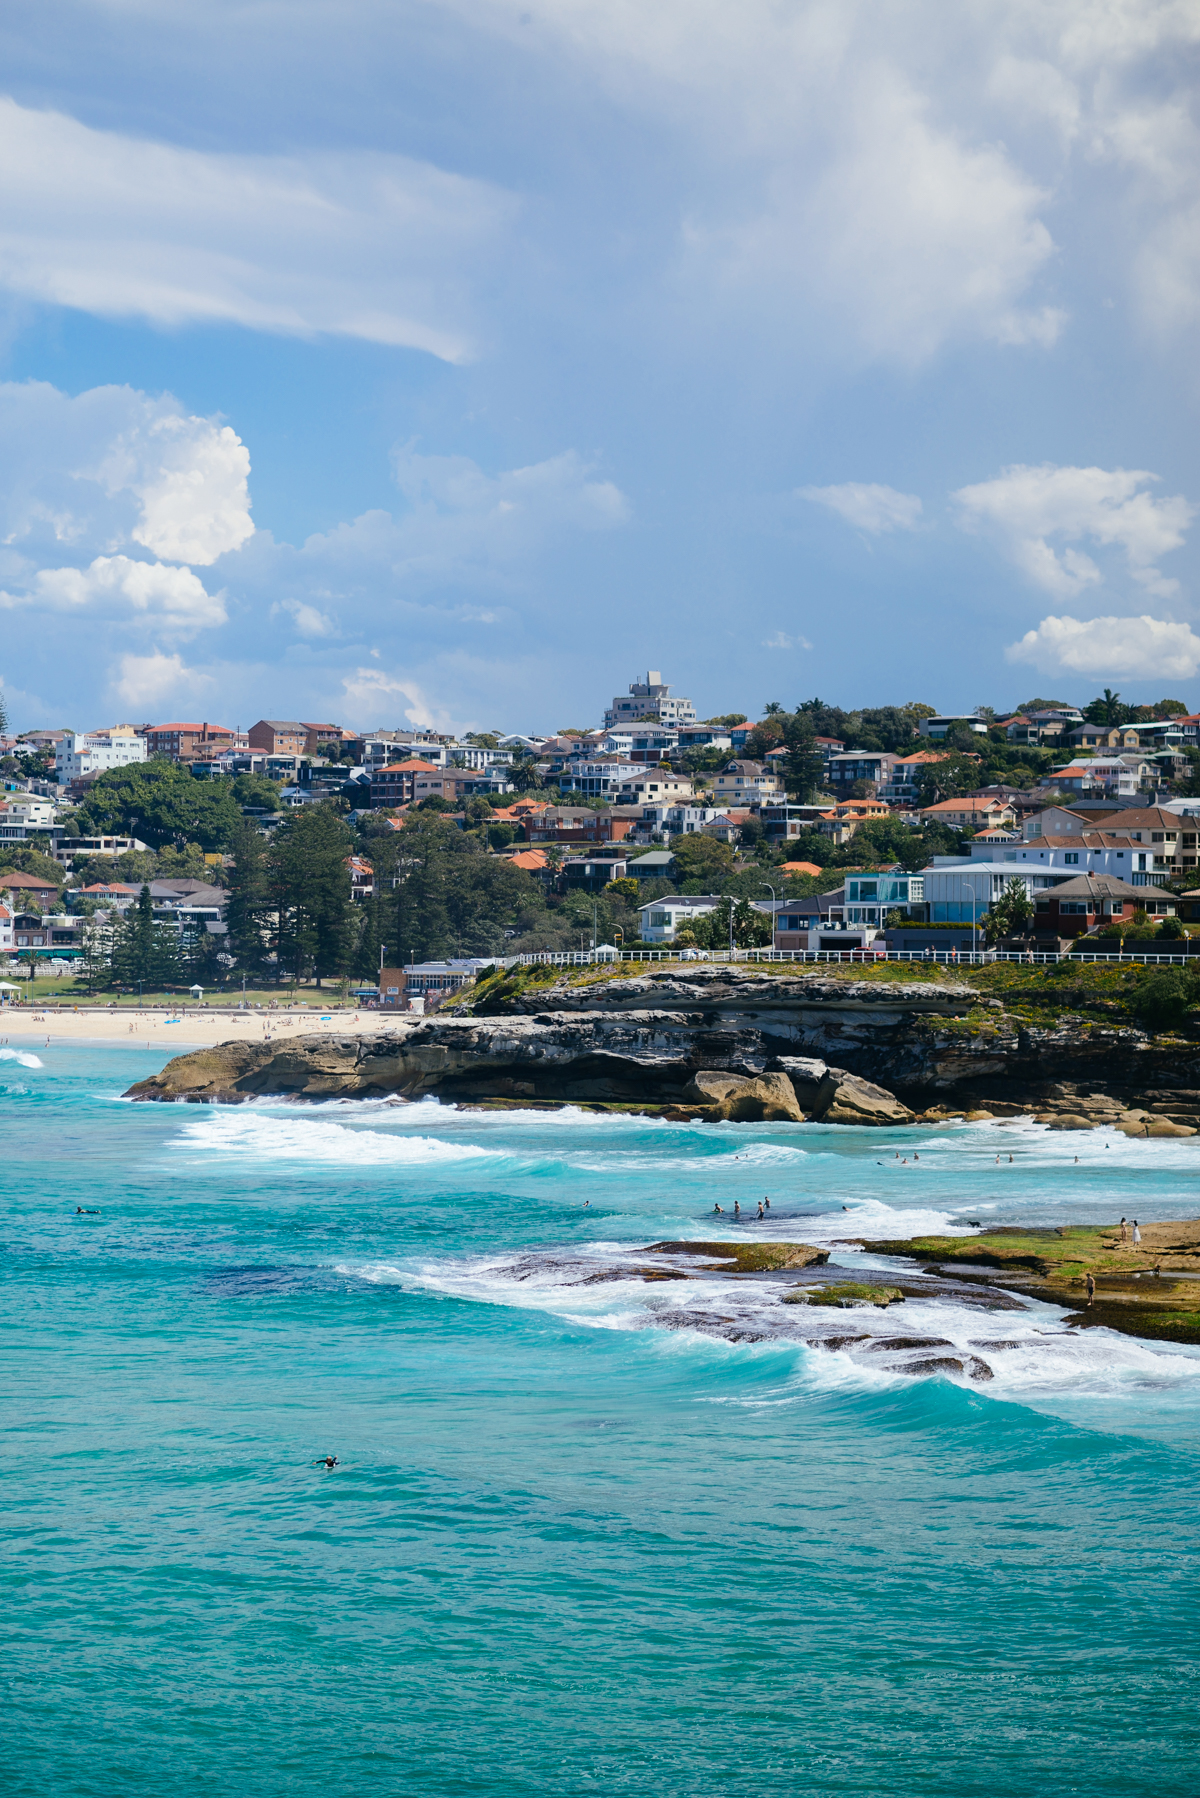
(266, 1137)
(22, 1057)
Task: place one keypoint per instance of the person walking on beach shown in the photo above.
(1091, 1287)
(1137, 1235)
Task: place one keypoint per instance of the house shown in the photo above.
(859, 764)
(278, 736)
(960, 891)
(180, 742)
(1048, 725)
(789, 818)
(1122, 775)
(112, 893)
(7, 943)
(937, 727)
(393, 784)
(675, 820)
(1093, 900)
(322, 739)
(362, 878)
(842, 820)
(562, 824)
(649, 699)
(81, 752)
(903, 781)
(532, 861)
(746, 783)
(659, 919)
(655, 786)
(1067, 820)
(659, 864)
(31, 885)
(66, 848)
(28, 814)
(591, 873)
(598, 776)
(969, 814)
(819, 922)
(1103, 736)
(726, 826)
(811, 868)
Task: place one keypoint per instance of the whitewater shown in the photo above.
(585, 1534)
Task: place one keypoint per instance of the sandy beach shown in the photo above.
(181, 1029)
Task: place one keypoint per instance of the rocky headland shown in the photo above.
(740, 1044)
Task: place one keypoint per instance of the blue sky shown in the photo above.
(451, 362)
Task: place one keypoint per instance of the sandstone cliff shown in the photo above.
(730, 1043)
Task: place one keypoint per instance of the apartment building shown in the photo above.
(181, 742)
(278, 736)
(649, 699)
(82, 752)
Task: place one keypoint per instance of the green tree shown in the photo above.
(1010, 914)
(145, 953)
(255, 790)
(247, 906)
(22, 858)
(1165, 997)
(310, 893)
(700, 859)
(1106, 710)
(162, 802)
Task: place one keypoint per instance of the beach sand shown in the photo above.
(181, 1030)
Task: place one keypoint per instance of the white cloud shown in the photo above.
(308, 620)
(1027, 506)
(112, 467)
(371, 692)
(361, 244)
(1121, 648)
(190, 475)
(781, 640)
(147, 682)
(116, 587)
(868, 506)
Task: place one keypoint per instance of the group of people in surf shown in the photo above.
(764, 1205)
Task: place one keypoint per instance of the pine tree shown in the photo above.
(248, 903)
(145, 954)
(310, 882)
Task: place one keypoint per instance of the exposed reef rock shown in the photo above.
(731, 1044)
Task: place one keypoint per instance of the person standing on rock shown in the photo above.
(1137, 1235)
(1124, 1231)
(1091, 1287)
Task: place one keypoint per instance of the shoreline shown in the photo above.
(179, 1029)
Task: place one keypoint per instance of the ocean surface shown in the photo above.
(573, 1543)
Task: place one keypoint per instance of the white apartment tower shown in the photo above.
(649, 699)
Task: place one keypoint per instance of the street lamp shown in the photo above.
(774, 904)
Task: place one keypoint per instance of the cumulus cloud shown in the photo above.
(112, 467)
(360, 244)
(868, 506)
(115, 587)
(1024, 507)
(1123, 648)
(147, 682)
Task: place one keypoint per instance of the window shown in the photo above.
(1076, 907)
(1070, 858)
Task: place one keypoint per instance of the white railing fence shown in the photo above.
(941, 957)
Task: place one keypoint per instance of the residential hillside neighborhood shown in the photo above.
(175, 854)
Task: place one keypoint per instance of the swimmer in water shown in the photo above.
(761, 1212)
(916, 1157)
(586, 1203)
(737, 1210)
(767, 1203)
(87, 1211)
(326, 1461)
(717, 1208)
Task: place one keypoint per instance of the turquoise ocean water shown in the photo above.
(570, 1548)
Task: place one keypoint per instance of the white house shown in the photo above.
(659, 919)
(938, 727)
(960, 892)
(649, 699)
(655, 786)
(93, 752)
